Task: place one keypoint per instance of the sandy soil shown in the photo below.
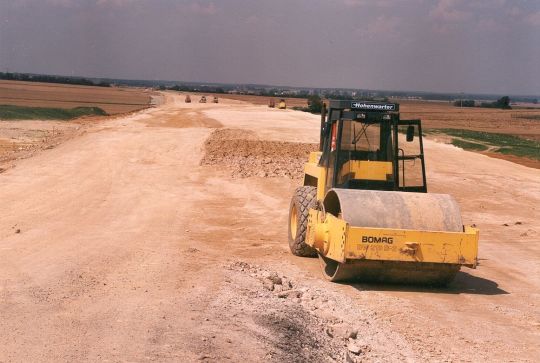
(23, 139)
(117, 245)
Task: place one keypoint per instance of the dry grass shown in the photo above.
(112, 100)
(20, 140)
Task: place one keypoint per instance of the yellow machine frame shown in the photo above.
(336, 239)
(359, 214)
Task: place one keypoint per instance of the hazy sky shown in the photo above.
(439, 45)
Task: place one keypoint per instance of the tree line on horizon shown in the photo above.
(272, 91)
(51, 79)
(502, 103)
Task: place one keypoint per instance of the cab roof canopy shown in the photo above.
(363, 105)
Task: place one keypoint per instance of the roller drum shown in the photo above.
(400, 210)
(397, 210)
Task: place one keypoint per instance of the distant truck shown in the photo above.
(272, 103)
(188, 99)
(215, 99)
(203, 99)
(282, 105)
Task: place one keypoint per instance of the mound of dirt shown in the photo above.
(246, 156)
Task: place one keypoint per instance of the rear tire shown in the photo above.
(303, 199)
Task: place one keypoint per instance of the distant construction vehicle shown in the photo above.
(282, 105)
(364, 208)
(216, 100)
(271, 103)
(188, 99)
(202, 99)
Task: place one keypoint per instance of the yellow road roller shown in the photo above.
(282, 105)
(364, 209)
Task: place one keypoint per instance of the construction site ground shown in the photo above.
(162, 236)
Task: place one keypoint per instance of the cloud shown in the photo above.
(77, 3)
(114, 2)
(65, 3)
(489, 25)
(486, 4)
(382, 27)
(533, 19)
(374, 3)
(448, 11)
(57, 3)
(252, 20)
(354, 3)
(203, 9)
(515, 11)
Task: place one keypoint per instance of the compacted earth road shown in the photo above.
(161, 236)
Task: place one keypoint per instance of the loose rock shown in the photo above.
(354, 348)
(275, 279)
(289, 293)
(268, 285)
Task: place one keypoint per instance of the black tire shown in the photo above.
(303, 199)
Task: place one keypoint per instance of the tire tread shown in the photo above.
(305, 198)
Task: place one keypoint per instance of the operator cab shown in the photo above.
(365, 145)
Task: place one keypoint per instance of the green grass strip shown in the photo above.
(11, 112)
(502, 143)
(466, 145)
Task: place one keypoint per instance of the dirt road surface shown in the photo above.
(118, 245)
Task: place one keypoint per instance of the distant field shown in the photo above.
(112, 100)
(519, 122)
